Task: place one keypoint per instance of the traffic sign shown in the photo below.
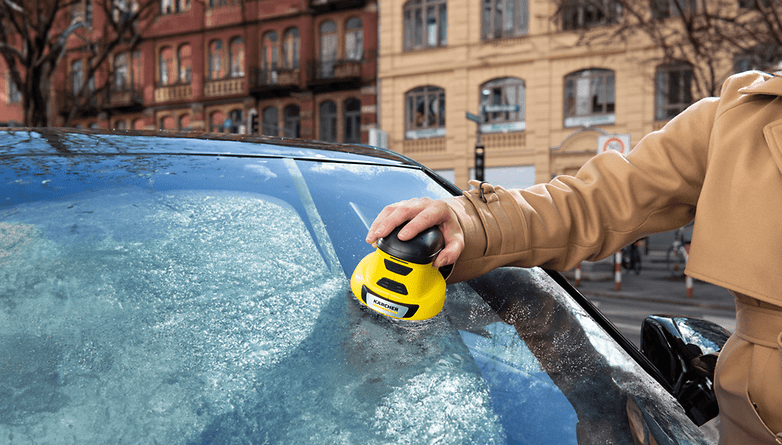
(500, 108)
(616, 142)
(474, 117)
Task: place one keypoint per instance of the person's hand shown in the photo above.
(421, 213)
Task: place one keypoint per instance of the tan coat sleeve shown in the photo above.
(611, 202)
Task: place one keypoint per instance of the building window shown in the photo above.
(502, 104)
(663, 9)
(216, 122)
(762, 58)
(184, 61)
(215, 58)
(270, 122)
(354, 39)
(183, 124)
(77, 76)
(13, 95)
(166, 65)
(292, 122)
(121, 72)
(328, 121)
(504, 18)
(173, 6)
(425, 113)
(236, 57)
(235, 122)
(81, 11)
(328, 49)
(135, 70)
(590, 98)
(579, 14)
(352, 121)
(673, 91)
(270, 57)
(291, 48)
(120, 125)
(167, 123)
(425, 24)
(216, 3)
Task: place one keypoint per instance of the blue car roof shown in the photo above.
(64, 142)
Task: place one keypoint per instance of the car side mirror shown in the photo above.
(684, 350)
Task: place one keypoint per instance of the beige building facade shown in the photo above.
(543, 101)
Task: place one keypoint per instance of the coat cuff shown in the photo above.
(494, 230)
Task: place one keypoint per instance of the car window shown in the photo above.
(205, 299)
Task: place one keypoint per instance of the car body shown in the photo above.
(181, 289)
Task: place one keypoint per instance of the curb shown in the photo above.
(659, 300)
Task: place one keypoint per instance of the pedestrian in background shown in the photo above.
(718, 163)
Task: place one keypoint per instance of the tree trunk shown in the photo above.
(36, 104)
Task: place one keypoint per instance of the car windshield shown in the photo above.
(163, 298)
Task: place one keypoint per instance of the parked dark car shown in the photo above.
(175, 289)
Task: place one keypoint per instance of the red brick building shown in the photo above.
(305, 68)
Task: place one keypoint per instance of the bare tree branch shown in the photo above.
(36, 36)
(708, 35)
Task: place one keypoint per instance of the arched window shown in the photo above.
(351, 110)
(215, 58)
(354, 39)
(135, 70)
(184, 60)
(673, 90)
(236, 57)
(589, 98)
(291, 48)
(270, 57)
(328, 121)
(270, 122)
(502, 103)
(121, 72)
(167, 123)
(504, 18)
(184, 122)
(166, 65)
(425, 112)
(216, 122)
(77, 76)
(235, 122)
(425, 24)
(120, 125)
(328, 49)
(292, 122)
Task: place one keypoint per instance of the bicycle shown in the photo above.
(677, 255)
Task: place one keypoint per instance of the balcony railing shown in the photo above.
(87, 106)
(124, 97)
(325, 71)
(167, 93)
(224, 87)
(333, 5)
(279, 77)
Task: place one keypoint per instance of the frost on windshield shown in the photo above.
(207, 317)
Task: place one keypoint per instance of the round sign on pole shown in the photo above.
(616, 142)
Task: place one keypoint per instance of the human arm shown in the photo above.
(609, 203)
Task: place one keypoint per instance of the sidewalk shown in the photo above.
(654, 283)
